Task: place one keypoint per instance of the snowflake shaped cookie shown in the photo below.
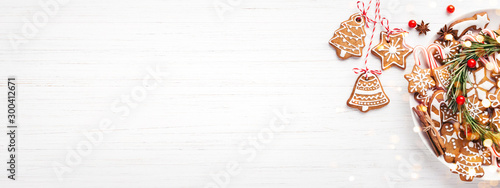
(419, 80)
(479, 84)
(495, 119)
(392, 51)
(494, 98)
(477, 110)
(450, 48)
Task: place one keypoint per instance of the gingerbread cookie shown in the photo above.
(368, 94)
(495, 119)
(494, 98)
(450, 48)
(475, 108)
(469, 162)
(419, 80)
(486, 153)
(424, 98)
(478, 21)
(392, 50)
(437, 100)
(349, 39)
(479, 84)
(442, 76)
(448, 115)
(452, 142)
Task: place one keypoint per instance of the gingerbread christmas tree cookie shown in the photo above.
(392, 50)
(349, 39)
(469, 162)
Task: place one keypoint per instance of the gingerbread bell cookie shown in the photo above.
(392, 50)
(349, 39)
(368, 94)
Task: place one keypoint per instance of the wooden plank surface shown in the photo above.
(221, 78)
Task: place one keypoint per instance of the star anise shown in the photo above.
(422, 28)
(447, 30)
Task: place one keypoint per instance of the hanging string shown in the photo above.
(390, 32)
(364, 13)
(377, 19)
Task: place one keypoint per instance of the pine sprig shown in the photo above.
(459, 78)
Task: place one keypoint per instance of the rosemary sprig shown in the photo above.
(459, 78)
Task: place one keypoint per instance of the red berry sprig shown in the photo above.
(471, 63)
(460, 100)
(412, 23)
(450, 9)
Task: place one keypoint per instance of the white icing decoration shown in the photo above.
(478, 88)
(419, 80)
(480, 22)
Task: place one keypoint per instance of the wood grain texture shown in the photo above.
(222, 78)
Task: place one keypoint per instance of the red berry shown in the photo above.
(450, 9)
(471, 63)
(460, 100)
(412, 23)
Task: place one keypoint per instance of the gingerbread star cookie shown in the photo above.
(448, 41)
(478, 21)
(474, 106)
(450, 48)
(479, 84)
(392, 50)
(419, 80)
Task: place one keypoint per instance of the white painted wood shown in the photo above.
(222, 78)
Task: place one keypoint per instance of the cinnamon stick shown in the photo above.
(431, 132)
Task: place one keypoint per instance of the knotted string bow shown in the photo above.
(377, 19)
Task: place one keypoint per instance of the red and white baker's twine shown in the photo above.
(377, 19)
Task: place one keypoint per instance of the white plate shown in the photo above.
(490, 172)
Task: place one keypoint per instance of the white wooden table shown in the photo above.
(195, 93)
